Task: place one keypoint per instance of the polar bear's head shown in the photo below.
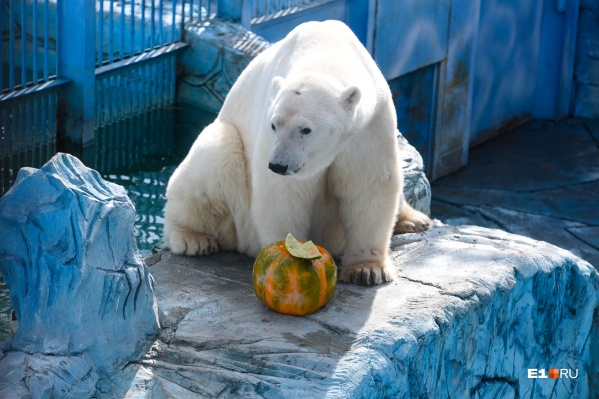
(310, 119)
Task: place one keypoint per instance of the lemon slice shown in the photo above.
(306, 250)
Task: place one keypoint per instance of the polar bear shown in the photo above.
(304, 144)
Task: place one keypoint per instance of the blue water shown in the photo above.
(139, 153)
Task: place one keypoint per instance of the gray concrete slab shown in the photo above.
(540, 179)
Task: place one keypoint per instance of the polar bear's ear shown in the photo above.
(351, 97)
(277, 83)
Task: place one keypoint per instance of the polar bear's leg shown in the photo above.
(368, 201)
(204, 192)
(368, 233)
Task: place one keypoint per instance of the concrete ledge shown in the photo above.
(472, 311)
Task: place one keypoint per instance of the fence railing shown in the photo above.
(128, 28)
(99, 61)
(124, 28)
(28, 55)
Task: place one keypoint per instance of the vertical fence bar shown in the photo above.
(23, 45)
(101, 34)
(153, 26)
(111, 33)
(173, 24)
(46, 40)
(44, 127)
(11, 56)
(57, 33)
(77, 63)
(182, 26)
(132, 29)
(28, 132)
(173, 75)
(39, 132)
(160, 25)
(143, 26)
(106, 107)
(1, 74)
(18, 115)
(122, 52)
(34, 47)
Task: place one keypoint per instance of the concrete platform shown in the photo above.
(472, 310)
(540, 180)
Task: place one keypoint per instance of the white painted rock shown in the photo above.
(472, 311)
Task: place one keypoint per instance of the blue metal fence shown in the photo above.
(28, 85)
(128, 28)
(135, 87)
(28, 55)
(136, 50)
(98, 62)
(116, 59)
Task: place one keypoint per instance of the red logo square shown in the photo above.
(553, 373)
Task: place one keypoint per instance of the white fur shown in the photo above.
(343, 183)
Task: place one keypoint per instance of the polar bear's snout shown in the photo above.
(278, 168)
(285, 157)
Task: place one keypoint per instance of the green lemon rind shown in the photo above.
(305, 251)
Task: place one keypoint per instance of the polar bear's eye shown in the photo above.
(272, 125)
(306, 130)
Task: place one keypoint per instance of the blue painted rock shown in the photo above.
(77, 282)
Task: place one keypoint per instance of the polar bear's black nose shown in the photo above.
(280, 169)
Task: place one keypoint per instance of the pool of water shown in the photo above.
(140, 154)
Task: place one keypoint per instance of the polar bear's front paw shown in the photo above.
(367, 273)
(191, 243)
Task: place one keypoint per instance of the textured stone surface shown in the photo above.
(82, 294)
(416, 188)
(472, 310)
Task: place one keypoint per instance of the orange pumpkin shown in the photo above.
(294, 285)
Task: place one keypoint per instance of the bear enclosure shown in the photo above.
(460, 72)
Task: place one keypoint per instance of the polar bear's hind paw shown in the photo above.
(411, 221)
(191, 243)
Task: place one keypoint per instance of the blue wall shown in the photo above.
(506, 63)
(524, 63)
(586, 100)
(462, 71)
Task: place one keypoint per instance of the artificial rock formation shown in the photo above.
(416, 186)
(472, 310)
(83, 296)
(218, 52)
